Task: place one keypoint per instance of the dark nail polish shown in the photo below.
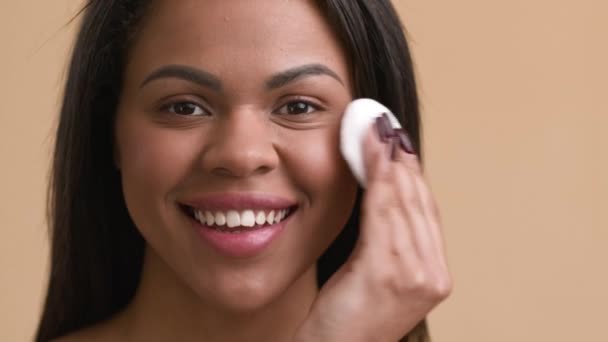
(384, 129)
(404, 141)
(388, 125)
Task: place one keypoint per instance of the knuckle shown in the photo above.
(426, 286)
(444, 288)
(402, 285)
(395, 283)
(440, 290)
(420, 282)
(420, 285)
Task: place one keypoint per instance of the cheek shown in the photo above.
(152, 161)
(317, 165)
(320, 171)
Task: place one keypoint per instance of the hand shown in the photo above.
(397, 272)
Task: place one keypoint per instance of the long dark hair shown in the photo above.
(96, 251)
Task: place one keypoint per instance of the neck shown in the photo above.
(165, 309)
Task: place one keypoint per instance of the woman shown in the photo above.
(197, 188)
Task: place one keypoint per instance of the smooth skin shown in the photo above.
(234, 132)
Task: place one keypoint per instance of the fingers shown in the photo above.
(398, 196)
(421, 207)
(384, 224)
(410, 200)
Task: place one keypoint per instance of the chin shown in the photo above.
(243, 293)
(246, 303)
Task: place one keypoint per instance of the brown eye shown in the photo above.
(185, 108)
(297, 108)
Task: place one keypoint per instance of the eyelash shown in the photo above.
(167, 108)
(201, 110)
(310, 104)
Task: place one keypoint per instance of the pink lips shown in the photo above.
(227, 201)
(241, 243)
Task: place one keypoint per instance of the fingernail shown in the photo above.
(383, 128)
(404, 141)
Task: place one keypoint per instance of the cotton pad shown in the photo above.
(358, 117)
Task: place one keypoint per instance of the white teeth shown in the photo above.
(247, 218)
(284, 214)
(270, 217)
(278, 217)
(199, 216)
(260, 219)
(210, 218)
(220, 218)
(233, 219)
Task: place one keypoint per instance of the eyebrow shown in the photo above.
(186, 73)
(208, 80)
(283, 78)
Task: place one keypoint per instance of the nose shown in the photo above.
(240, 146)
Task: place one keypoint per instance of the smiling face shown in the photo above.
(234, 105)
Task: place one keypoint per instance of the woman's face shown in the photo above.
(235, 105)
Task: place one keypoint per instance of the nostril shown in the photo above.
(238, 172)
(222, 171)
(237, 157)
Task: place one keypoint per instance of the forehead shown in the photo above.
(230, 36)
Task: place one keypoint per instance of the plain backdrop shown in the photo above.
(514, 108)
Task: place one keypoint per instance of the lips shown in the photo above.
(239, 224)
(238, 201)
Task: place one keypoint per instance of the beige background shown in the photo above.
(514, 96)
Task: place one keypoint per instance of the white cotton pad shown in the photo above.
(358, 117)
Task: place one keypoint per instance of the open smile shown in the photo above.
(237, 219)
(238, 225)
